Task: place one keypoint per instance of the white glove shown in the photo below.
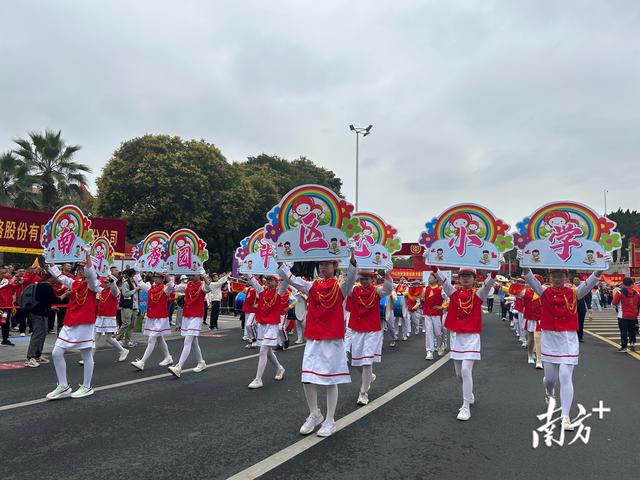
(284, 271)
(608, 257)
(519, 254)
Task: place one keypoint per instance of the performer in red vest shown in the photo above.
(532, 313)
(77, 332)
(433, 299)
(516, 289)
(413, 297)
(559, 324)
(405, 322)
(464, 321)
(192, 318)
(250, 307)
(270, 299)
(156, 322)
(325, 360)
(363, 304)
(106, 324)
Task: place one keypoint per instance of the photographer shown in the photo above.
(129, 290)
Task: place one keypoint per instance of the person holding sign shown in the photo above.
(464, 321)
(324, 361)
(77, 332)
(192, 318)
(106, 323)
(363, 303)
(432, 313)
(267, 317)
(559, 323)
(156, 322)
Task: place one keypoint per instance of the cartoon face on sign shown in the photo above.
(256, 255)
(566, 235)
(466, 235)
(66, 236)
(310, 223)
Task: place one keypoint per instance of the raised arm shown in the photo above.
(144, 286)
(115, 291)
(446, 284)
(171, 284)
(63, 279)
(180, 288)
(349, 280)
(296, 282)
(585, 287)
(255, 284)
(92, 278)
(533, 282)
(387, 287)
(221, 281)
(483, 292)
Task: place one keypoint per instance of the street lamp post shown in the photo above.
(605, 201)
(364, 131)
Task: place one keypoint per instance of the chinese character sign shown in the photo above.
(67, 236)
(150, 254)
(186, 252)
(102, 256)
(466, 235)
(566, 235)
(311, 223)
(256, 255)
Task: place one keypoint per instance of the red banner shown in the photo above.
(20, 230)
(408, 273)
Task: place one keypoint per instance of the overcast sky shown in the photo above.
(510, 104)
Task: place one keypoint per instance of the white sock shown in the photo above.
(149, 350)
(60, 365)
(367, 376)
(311, 394)
(87, 357)
(332, 402)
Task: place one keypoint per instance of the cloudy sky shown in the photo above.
(510, 104)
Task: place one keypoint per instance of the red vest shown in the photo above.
(107, 304)
(82, 304)
(157, 302)
(325, 317)
(193, 300)
(465, 312)
(364, 307)
(559, 312)
(269, 307)
(250, 304)
(432, 298)
(413, 295)
(531, 306)
(6, 293)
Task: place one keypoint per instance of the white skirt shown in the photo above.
(531, 325)
(106, 325)
(347, 339)
(366, 348)
(156, 327)
(560, 347)
(267, 334)
(325, 362)
(465, 346)
(76, 337)
(190, 326)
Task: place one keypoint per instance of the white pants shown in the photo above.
(250, 330)
(433, 336)
(417, 321)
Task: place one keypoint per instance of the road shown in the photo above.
(149, 425)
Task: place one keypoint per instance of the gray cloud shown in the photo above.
(507, 104)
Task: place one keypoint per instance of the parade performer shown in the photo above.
(363, 304)
(324, 361)
(77, 332)
(559, 324)
(405, 324)
(391, 319)
(432, 313)
(268, 318)
(464, 321)
(301, 315)
(533, 311)
(413, 297)
(156, 322)
(192, 319)
(106, 324)
(249, 307)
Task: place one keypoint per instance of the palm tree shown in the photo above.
(16, 184)
(50, 160)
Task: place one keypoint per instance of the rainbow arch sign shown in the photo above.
(311, 223)
(150, 254)
(256, 255)
(67, 236)
(466, 235)
(562, 235)
(186, 252)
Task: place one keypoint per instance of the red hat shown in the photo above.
(539, 277)
(467, 270)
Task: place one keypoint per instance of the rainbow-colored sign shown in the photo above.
(256, 255)
(151, 253)
(187, 253)
(466, 235)
(67, 236)
(564, 235)
(102, 256)
(311, 223)
(374, 244)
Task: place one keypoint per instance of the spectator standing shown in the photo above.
(584, 306)
(595, 300)
(627, 300)
(45, 297)
(6, 302)
(127, 299)
(216, 284)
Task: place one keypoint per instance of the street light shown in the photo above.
(605, 201)
(364, 131)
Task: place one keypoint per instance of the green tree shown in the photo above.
(50, 160)
(628, 225)
(16, 183)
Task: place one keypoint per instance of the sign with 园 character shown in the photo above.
(21, 230)
(256, 255)
(566, 235)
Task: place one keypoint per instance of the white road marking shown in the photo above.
(137, 380)
(306, 443)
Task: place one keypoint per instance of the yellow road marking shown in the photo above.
(610, 342)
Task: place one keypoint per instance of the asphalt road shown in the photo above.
(209, 425)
